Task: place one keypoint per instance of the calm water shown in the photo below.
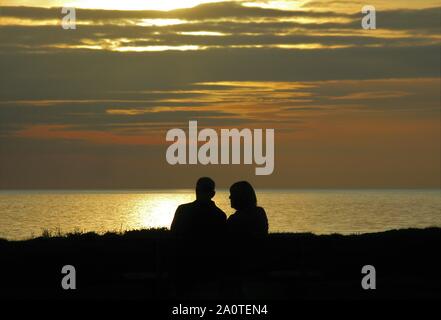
(26, 214)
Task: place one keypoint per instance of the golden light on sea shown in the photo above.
(158, 211)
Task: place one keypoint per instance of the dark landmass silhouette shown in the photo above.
(151, 264)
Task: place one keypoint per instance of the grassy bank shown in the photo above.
(151, 264)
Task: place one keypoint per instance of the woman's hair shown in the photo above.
(243, 195)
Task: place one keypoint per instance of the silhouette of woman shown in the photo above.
(246, 228)
(249, 219)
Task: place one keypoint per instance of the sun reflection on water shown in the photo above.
(158, 212)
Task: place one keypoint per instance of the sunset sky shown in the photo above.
(89, 108)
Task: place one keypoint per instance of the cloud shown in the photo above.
(237, 25)
(86, 74)
(49, 38)
(341, 99)
(423, 19)
(221, 104)
(206, 11)
(233, 12)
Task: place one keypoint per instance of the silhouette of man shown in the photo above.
(194, 260)
(201, 217)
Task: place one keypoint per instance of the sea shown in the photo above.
(29, 214)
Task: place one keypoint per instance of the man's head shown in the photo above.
(205, 189)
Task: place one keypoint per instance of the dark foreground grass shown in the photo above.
(151, 264)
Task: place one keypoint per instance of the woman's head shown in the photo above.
(242, 195)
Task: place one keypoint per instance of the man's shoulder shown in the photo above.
(186, 206)
(261, 211)
(220, 212)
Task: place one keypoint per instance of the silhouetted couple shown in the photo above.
(202, 218)
(211, 248)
